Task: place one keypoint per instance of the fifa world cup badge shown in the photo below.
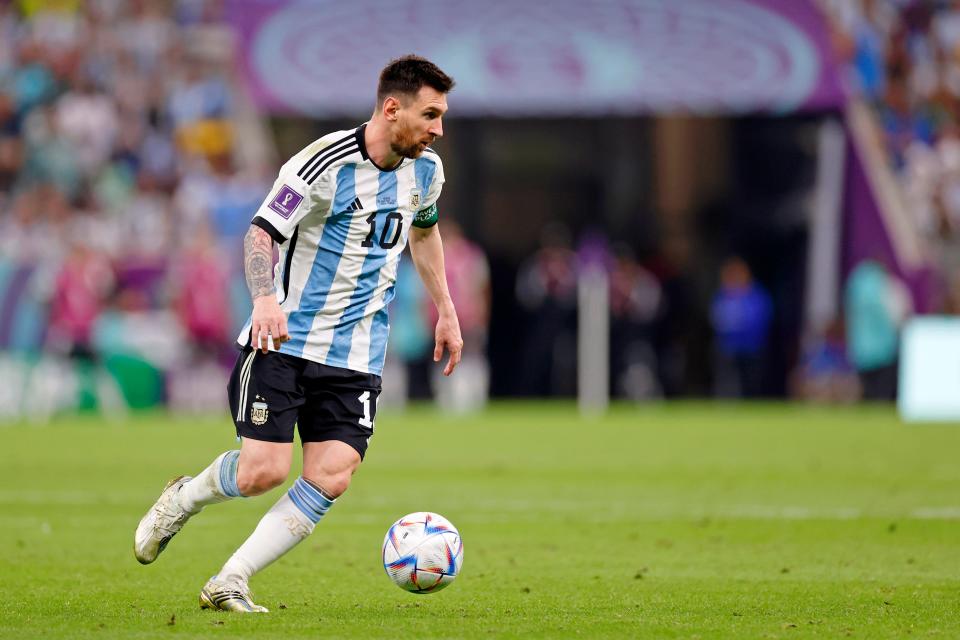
(414, 198)
(258, 412)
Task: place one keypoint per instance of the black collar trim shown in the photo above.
(366, 156)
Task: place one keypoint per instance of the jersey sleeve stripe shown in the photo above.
(319, 156)
(425, 169)
(327, 162)
(264, 224)
(289, 261)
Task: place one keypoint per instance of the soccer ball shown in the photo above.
(422, 552)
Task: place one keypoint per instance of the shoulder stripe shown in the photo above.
(326, 151)
(432, 151)
(327, 161)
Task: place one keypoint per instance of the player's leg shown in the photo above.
(253, 469)
(265, 466)
(335, 425)
(298, 511)
(182, 498)
(329, 466)
(266, 403)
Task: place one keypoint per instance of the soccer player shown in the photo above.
(342, 211)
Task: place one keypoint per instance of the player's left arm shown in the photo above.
(426, 248)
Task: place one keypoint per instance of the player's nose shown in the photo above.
(436, 128)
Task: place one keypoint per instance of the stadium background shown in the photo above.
(611, 152)
(658, 139)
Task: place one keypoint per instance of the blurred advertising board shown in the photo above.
(930, 370)
(587, 58)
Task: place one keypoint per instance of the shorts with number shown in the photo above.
(270, 393)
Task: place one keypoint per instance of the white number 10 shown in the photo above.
(365, 421)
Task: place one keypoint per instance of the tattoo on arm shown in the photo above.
(258, 262)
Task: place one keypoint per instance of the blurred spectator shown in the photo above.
(50, 158)
(199, 281)
(410, 348)
(87, 120)
(147, 32)
(951, 305)
(876, 304)
(82, 285)
(635, 305)
(547, 290)
(824, 373)
(741, 314)
(468, 278)
(11, 147)
(679, 318)
(31, 80)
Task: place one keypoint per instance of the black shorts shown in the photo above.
(270, 393)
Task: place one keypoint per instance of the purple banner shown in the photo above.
(866, 236)
(564, 57)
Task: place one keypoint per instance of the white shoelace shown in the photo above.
(168, 517)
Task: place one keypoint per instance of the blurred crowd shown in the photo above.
(903, 58)
(121, 197)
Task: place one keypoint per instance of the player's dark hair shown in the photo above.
(406, 75)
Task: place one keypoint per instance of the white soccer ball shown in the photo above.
(422, 552)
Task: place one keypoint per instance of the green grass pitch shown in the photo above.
(664, 521)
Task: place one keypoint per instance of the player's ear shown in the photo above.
(390, 108)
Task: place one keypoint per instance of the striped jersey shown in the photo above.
(341, 223)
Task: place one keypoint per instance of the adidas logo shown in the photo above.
(356, 205)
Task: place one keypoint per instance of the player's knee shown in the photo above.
(260, 478)
(333, 485)
(339, 484)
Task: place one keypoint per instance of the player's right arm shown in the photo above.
(295, 193)
(267, 318)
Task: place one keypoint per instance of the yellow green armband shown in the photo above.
(426, 217)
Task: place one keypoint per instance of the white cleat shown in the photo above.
(228, 595)
(164, 519)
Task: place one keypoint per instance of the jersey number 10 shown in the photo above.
(384, 243)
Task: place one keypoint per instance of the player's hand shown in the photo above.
(448, 337)
(268, 328)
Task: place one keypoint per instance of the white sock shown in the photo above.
(288, 522)
(216, 483)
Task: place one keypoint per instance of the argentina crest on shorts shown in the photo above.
(259, 412)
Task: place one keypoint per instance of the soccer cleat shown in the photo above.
(164, 519)
(228, 595)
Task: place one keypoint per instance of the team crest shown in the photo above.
(259, 412)
(414, 198)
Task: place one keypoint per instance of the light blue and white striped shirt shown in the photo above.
(341, 223)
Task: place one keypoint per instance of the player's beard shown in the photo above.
(406, 146)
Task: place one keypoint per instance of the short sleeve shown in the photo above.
(290, 199)
(430, 179)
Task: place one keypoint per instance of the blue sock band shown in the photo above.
(228, 474)
(309, 500)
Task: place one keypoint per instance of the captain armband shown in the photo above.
(426, 218)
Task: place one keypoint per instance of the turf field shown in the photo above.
(677, 521)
